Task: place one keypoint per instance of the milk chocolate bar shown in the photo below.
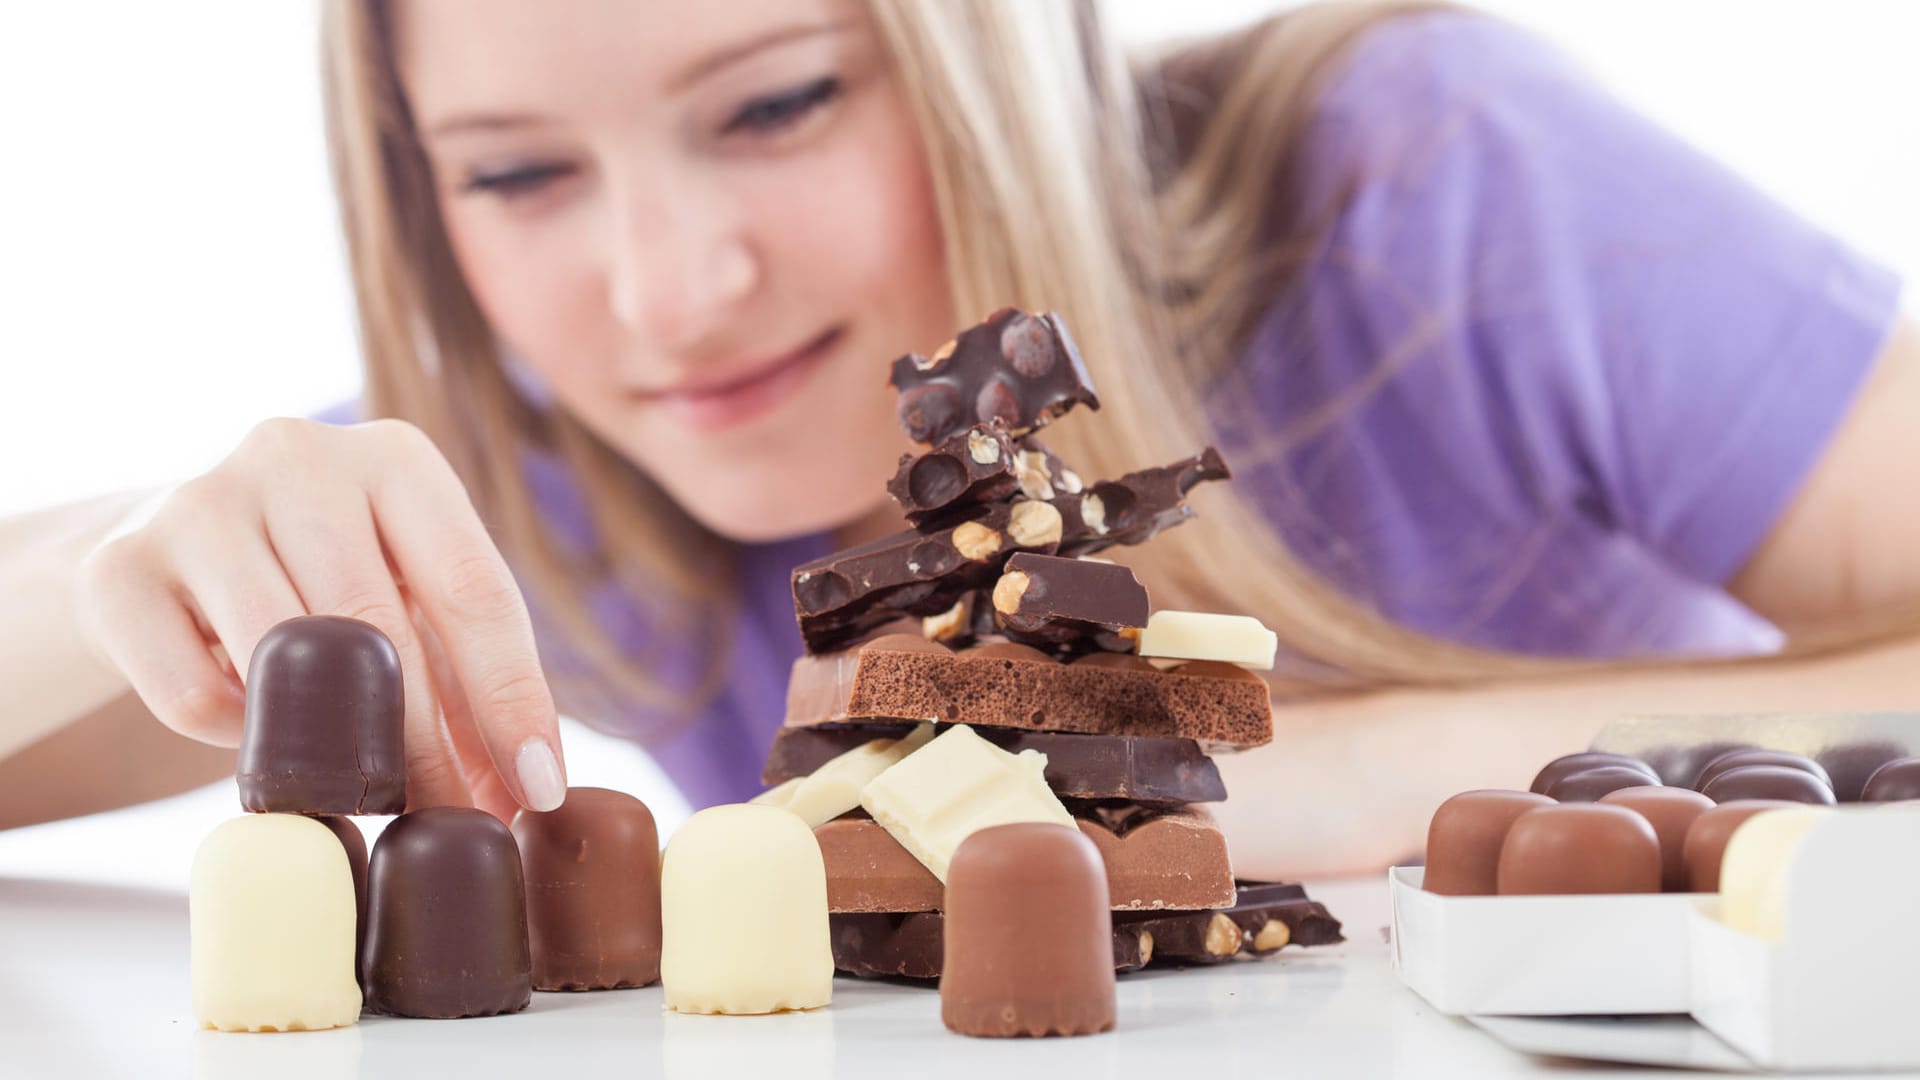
(1133, 768)
(1156, 859)
(1048, 600)
(848, 593)
(906, 677)
(1264, 919)
(1022, 370)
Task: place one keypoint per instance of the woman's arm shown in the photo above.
(1348, 784)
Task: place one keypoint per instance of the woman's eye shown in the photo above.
(779, 111)
(514, 182)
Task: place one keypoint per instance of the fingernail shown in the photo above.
(540, 777)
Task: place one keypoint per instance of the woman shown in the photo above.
(1537, 417)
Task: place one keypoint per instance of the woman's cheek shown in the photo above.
(534, 285)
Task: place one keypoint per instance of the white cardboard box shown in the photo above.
(1542, 955)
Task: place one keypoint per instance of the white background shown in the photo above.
(170, 270)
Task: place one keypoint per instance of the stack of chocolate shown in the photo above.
(1056, 696)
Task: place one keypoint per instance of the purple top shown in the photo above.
(1613, 364)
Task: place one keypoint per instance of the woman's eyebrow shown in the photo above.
(734, 53)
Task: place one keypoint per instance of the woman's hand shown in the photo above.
(368, 522)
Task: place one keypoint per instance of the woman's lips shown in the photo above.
(711, 409)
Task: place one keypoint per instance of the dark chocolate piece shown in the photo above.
(1706, 842)
(846, 594)
(1671, 811)
(1896, 781)
(1029, 939)
(1581, 849)
(1137, 507)
(1735, 759)
(1142, 770)
(446, 918)
(1588, 785)
(1048, 600)
(1680, 765)
(1022, 370)
(355, 842)
(906, 677)
(964, 624)
(1768, 782)
(910, 945)
(974, 466)
(1586, 759)
(1849, 765)
(323, 732)
(593, 891)
(1464, 838)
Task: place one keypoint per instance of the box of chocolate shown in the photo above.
(1580, 895)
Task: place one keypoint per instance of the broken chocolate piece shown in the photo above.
(1022, 370)
(1048, 600)
(1137, 507)
(977, 465)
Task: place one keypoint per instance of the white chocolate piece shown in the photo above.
(1755, 869)
(743, 914)
(955, 786)
(271, 915)
(834, 788)
(1197, 635)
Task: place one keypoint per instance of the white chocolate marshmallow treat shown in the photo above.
(955, 786)
(1754, 871)
(1197, 635)
(834, 788)
(271, 914)
(743, 912)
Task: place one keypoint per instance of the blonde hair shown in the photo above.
(1063, 182)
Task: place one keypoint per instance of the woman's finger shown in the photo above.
(455, 573)
(490, 792)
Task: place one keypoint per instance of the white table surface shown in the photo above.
(94, 982)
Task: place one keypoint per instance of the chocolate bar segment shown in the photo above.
(1134, 768)
(1172, 859)
(905, 677)
(1019, 369)
(1048, 600)
(1137, 507)
(975, 466)
(848, 593)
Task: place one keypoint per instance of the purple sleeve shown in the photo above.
(1540, 308)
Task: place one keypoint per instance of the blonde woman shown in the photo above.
(1538, 417)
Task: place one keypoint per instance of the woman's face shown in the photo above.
(707, 227)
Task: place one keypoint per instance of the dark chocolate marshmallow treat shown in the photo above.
(323, 732)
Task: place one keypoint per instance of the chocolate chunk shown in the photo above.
(1706, 841)
(1048, 600)
(1029, 939)
(1019, 369)
(1588, 785)
(906, 677)
(1589, 759)
(1137, 507)
(1142, 770)
(1896, 781)
(1735, 759)
(593, 891)
(1464, 839)
(1155, 860)
(446, 918)
(1583, 849)
(1768, 782)
(848, 593)
(1671, 811)
(355, 842)
(323, 731)
(974, 466)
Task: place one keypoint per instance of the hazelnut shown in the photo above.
(1146, 946)
(983, 448)
(1035, 524)
(928, 363)
(1070, 482)
(1025, 343)
(996, 401)
(928, 412)
(823, 591)
(1006, 595)
(1274, 935)
(1036, 480)
(975, 541)
(1223, 936)
(1093, 511)
(946, 626)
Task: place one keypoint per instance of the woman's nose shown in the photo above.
(678, 268)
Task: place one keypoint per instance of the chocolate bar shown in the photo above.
(848, 593)
(324, 719)
(906, 677)
(975, 466)
(1022, 370)
(1137, 507)
(1155, 859)
(1141, 770)
(908, 945)
(1048, 600)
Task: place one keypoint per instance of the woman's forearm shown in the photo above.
(1348, 784)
